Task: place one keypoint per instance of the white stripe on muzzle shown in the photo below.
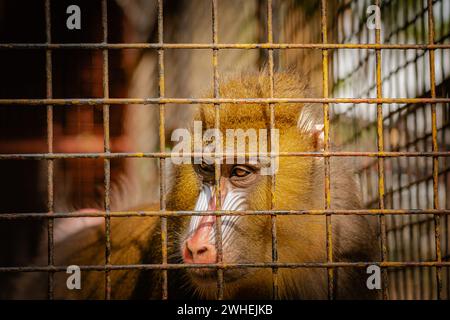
(234, 201)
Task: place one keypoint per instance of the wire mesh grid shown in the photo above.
(413, 182)
(404, 178)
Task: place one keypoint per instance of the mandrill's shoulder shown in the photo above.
(124, 231)
(130, 240)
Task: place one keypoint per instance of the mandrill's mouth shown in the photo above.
(208, 276)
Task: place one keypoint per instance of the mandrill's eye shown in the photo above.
(240, 172)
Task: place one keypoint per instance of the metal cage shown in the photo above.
(404, 176)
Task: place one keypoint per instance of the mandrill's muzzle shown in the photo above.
(199, 245)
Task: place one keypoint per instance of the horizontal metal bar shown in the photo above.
(157, 101)
(116, 46)
(101, 155)
(174, 266)
(170, 213)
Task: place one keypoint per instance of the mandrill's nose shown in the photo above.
(199, 252)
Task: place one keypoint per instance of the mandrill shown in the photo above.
(299, 185)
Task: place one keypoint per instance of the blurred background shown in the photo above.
(77, 73)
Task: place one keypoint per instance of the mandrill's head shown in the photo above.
(245, 183)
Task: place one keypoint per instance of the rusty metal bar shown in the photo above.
(419, 271)
(428, 241)
(318, 46)
(162, 148)
(169, 213)
(50, 164)
(107, 150)
(380, 147)
(179, 266)
(217, 159)
(273, 217)
(326, 122)
(157, 101)
(401, 278)
(121, 155)
(435, 148)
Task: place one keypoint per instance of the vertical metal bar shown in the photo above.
(410, 275)
(402, 119)
(326, 123)
(272, 127)
(413, 252)
(398, 221)
(217, 171)
(427, 284)
(380, 146)
(107, 149)
(50, 164)
(435, 148)
(416, 219)
(392, 236)
(389, 200)
(162, 148)
(424, 271)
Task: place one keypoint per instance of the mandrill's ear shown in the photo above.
(309, 122)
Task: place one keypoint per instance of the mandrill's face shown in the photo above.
(246, 185)
(238, 184)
